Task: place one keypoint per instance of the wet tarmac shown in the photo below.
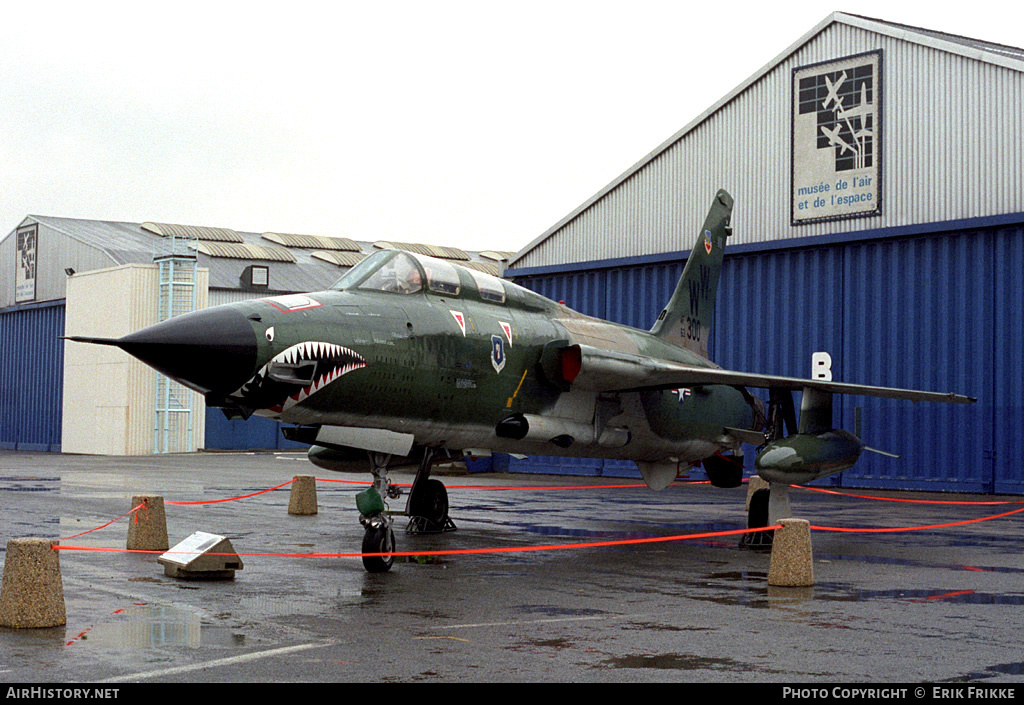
(935, 605)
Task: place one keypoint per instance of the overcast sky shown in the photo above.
(473, 124)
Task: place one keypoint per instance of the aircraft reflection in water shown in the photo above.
(409, 360)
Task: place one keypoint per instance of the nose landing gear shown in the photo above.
(427, 508)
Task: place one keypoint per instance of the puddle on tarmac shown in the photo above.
(658, 529)
(654, 626)
(1002, 669)
(29, 483)
(890, 560)
(968, 597)
(743, 576)
(676, 662)
(559, 611)
(421, 560)
(149, 626)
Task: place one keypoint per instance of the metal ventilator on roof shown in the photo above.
(194, 232)
(242, 250)
(342, 259)
(313, 242)
(421, 249)
(486, 267)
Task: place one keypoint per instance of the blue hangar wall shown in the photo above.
(32, 383)
(31, 376)
(936, 307)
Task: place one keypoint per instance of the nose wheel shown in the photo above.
(379, 538)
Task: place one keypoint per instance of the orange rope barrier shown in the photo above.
(907, 500)
(232, 499)
(917, 528)
(598, 544)
(559, 547)
(454, 551)
(130, 511)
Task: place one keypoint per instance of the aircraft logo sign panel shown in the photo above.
(25, 270)
(836, 139)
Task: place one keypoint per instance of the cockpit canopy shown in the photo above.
(400, 272)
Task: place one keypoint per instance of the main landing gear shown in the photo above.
(427, 509)
(770, 504)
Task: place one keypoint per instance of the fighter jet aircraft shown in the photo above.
(408, 360)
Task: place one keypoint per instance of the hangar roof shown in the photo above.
(297, 262)
(987, 52)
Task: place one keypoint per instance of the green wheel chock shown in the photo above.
(369, 502)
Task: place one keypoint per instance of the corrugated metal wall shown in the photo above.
(54, 251)
(1006, 378)
(31, 373)
(941, 312)
(952, 149)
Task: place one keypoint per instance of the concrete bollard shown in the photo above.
(791, 563)
(32, 594)
(754, 484)
(303, 496)
(147, 528)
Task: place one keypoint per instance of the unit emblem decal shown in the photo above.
(508, 331)
(497, 353)
(460, 319)
(707, 241)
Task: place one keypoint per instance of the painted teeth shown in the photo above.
(312, 350)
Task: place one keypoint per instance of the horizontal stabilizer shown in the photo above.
(881, 452)
(754, 438)
(610, 371)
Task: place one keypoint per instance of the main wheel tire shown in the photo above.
(431, 503)
(757, 516)
(379, 539)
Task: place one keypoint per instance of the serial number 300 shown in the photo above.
(690, 328)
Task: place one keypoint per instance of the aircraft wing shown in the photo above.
(611, 371)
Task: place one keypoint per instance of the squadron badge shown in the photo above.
(497, 353)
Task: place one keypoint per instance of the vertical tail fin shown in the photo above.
(686, 319)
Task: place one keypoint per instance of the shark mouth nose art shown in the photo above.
(299, 372)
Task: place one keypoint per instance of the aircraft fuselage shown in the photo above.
(449, 369)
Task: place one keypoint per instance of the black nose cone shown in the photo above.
(213, 350)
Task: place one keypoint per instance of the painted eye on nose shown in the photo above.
(270, 334)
